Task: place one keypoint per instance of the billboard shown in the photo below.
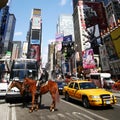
(91, 35)
(34, 52)
(59, 37)
(24, 49)
(36, 12)
(35, 34)
(36, 22)
(82, 18)
(104, 58)
(88, 59)
(115, 35)
(67, 38)
(93, 13)
(34, 41)
(112, 55)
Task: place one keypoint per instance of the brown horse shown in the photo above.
(49, 86)
(16, 84)
(19, 84)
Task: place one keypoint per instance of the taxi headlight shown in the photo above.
(94, 96)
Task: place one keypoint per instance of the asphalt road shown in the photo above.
(72, 110)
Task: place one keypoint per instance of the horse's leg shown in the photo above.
(52, 106)
(24, 100)
(37, 101)
(33, 103)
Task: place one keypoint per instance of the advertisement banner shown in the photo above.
(36, 22)
(94, 13)
(67, 38)
(92, 38)
(35, 52)
(82, 15)
(36, 12)
(35, 42)
(104, 58)
(24, 49)
(59, 37)
(112, 55)
(115, 34)
(88, 59)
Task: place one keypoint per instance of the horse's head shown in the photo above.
(16, 84)
(26, 84)
(11, 85)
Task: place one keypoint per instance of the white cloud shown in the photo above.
(63, 2)
(18, 33)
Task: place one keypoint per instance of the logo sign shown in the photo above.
(67, 38)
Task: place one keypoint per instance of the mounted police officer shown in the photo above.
(44, 76)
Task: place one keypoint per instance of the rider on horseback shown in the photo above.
(43, 78)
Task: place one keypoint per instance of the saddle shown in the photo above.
(40, 84)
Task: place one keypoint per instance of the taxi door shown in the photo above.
(77, 92)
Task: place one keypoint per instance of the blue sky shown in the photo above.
(51, 9)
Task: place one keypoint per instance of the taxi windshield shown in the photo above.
(87, 85)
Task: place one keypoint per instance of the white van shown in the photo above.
(102, 80)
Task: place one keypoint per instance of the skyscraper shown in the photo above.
(35, 35)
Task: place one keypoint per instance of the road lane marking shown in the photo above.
(103, 118)
(84, 115)
(13, 113)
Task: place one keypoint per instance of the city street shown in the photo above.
(72, 110)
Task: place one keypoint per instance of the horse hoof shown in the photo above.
(30, 111)
(52, 110)
(36, 109)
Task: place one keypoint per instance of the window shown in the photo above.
(71, 85)
(76, 86)
(20, 69)
(87, 85)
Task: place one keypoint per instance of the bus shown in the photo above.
(102, 80)
(21, 68)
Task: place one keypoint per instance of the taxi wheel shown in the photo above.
(67, 97)
(85, 102)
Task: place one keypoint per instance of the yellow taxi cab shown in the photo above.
(88, 93)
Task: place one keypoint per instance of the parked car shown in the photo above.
(61, 85)
(88, 94)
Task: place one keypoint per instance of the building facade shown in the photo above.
(34, 35)
(9, 33)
